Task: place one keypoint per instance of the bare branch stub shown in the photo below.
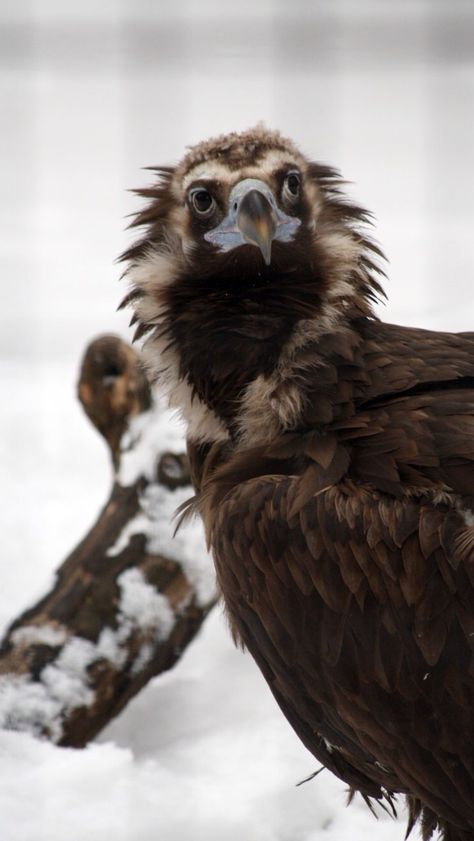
(112, 388)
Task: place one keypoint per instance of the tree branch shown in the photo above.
(129, 598)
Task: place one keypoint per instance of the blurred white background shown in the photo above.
(91, 92)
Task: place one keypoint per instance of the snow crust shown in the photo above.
(157, 521)
(38, 706)
(149, 436)
(41, 634)
(142, 606)
(186, 545)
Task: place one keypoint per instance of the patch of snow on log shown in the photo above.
(157, 521)
(39, 706)
(187, 546)
(67, 678)
(40, 634)
(148, 437)
(142, 606)
(137, 525)
(149, 434)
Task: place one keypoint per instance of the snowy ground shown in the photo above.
(89, 93)
(202, 753)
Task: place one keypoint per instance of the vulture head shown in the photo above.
(249, 251)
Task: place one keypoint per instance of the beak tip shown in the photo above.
(256, 222)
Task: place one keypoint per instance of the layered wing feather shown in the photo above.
(347, 565)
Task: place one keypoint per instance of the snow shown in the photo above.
(140, 605)
(27, 705)
(186, 545)
(202, 752)
(90, 93)
(158, 505)
(137, 525)
(41, 634)
(110, 647)
(138, 446)
(66, 678)
(38, 706)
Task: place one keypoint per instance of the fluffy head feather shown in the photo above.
(225, 330)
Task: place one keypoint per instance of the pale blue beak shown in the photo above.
(254, 218)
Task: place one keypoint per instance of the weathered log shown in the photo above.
(129, 598)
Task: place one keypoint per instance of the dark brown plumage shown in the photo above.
(332, 456)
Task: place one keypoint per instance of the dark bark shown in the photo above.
(90, 631)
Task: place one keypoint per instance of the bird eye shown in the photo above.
(291, 186)
(202, 201)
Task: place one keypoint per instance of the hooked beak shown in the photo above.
(253, 217)
(256, 223)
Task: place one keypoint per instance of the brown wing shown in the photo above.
(425, 441)
(397, 358)
(352, 586)
(346, 372)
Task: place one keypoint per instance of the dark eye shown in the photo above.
(202, 201)
(291, 186)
